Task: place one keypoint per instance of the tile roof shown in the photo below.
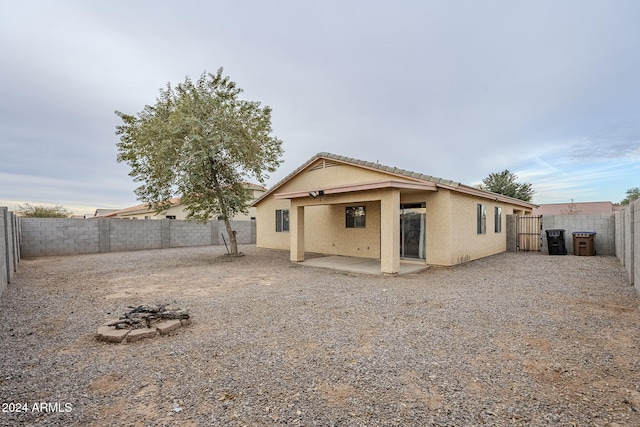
(390, 169)
(145, 207)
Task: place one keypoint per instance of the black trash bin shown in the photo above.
(555, 241)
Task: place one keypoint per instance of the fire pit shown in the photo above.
(143, 321)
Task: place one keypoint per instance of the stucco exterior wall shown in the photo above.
(266, 235)
(439, 225)
(467, 244)
(316, 177)
(325, 225)
(326, 232)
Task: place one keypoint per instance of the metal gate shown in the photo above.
(529, 232)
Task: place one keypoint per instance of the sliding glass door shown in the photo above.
(412, 230)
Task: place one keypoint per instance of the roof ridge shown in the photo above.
(385, 168)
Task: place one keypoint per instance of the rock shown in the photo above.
(167, 326)
(138, 334)
(111, 334)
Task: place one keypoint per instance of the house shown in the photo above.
(103, 212)
(342, 206)
(580, 208)
(177, 211)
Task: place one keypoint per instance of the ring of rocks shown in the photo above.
(143, 321)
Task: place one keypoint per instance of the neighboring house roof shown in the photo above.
(143, 207)
(103, 212)
(175, 201)
(252, 186)
(415, 176)
(579, 208)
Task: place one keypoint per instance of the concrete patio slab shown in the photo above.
(358, 265)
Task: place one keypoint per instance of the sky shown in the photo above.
(549, 90)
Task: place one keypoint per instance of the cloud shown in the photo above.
(614, 141)
(458, 90)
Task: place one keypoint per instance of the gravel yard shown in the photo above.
(514, 339)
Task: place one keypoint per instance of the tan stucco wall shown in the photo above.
(315, 177)
(451, 227)
(325, 231)
(266, 235)
(466, 243)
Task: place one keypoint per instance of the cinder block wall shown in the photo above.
(133, 235)
(602, 224)
(9, 250)
(58, 236)
(628, 240)
(511, 233)
(4, 273)
(64, 236)
(184, 234)
(635, 248)
(245, 232)
(619, 225)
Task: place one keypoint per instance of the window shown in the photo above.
(355, 217)
(498, 219)
(482, 219)
(171, 217)
(282, 220)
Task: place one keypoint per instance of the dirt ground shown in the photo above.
(512, 339)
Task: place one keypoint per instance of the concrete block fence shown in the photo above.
(67, 236)
(602, 224)
(628, 240)
(9, 247)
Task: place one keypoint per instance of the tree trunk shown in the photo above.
(232, 236)
(225, 215)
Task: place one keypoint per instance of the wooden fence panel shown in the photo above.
(529, 230)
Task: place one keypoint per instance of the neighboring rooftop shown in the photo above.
(576, 208)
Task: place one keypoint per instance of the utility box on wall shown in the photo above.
(584, 243)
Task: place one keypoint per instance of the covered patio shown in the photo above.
(387, 193)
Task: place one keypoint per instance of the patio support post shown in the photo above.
(296, 229)
(390, 232)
